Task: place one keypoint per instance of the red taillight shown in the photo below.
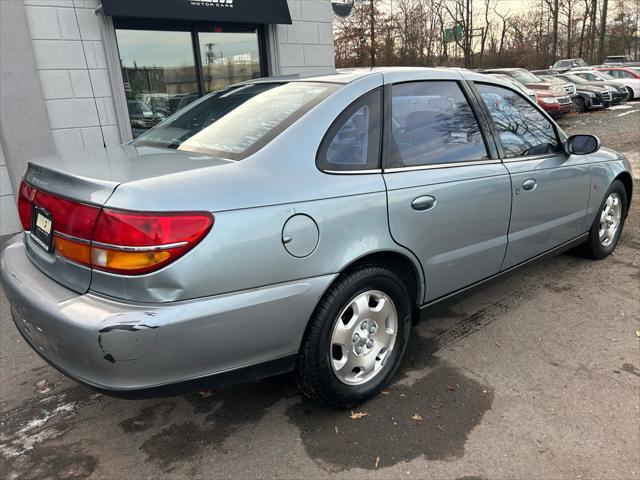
(135, 243)
(25, 197)
(112, 240)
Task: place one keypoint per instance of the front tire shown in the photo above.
(607, 226)
(581, 105)
(356, 338)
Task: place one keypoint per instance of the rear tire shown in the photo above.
(607, 226)
(630, 90)
(356, 337)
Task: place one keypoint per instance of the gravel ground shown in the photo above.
(537, 376)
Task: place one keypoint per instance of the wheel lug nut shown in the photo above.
(356, 338)
(364, 325)
(372, 329)
(359, 349)
(370, 344)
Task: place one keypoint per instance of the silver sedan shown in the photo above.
(283, 225)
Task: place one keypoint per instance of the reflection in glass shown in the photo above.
(239, 120)
(159, 74)
(523, 130)
(228, 57)
(433, 123)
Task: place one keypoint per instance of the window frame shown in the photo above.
(338, 123)
(485, 130)
(560, 137)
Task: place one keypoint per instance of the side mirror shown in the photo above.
(581, 144)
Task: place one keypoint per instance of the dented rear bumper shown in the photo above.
(122, 347)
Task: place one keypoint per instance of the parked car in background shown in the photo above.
(618, 59)
(621, 93)
(141, 115)
(611, 93)
(544, 72)
(506, 78)
(632, 85)
(268, 228)
(629, 77)
(554, 99)
(567, 64)
(585, 98)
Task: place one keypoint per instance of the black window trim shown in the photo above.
(560, 136)
(489, 140)
(337, 123)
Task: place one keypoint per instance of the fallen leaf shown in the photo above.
(357, 415)
(337, 431)
(43, 386)
(416, 417)
(377, 461)
(402, 395)
(384, 392)
(441, 428)
(451, 388)
(638, 333)
(206, 393)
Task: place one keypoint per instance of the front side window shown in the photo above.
(236, 122)
(353, 141)
(432, 123)
(522, 129)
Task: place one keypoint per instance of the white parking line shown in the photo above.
(627, 113)
(620, 107)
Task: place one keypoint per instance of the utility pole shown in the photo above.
(603, 26)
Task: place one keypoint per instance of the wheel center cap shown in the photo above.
(363, 337)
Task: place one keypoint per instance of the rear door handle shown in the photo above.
(529, 184)
(423, 203)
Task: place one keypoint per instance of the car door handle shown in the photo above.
(529, 184)
(423, 203)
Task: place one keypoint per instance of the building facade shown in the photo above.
(90, 74)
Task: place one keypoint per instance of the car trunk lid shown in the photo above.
(62, 197)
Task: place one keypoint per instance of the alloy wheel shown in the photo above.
(363, 337)
(610, 219)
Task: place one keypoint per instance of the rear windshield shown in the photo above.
(237, 121)
(525, 77)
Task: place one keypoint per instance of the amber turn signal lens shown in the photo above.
(76, 251)
(124, 261)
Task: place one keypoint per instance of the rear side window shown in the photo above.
(432, 123)
(523, 130)
(353, 141)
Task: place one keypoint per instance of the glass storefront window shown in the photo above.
(159, 74)
(228, 57)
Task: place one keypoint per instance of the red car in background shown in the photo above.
(554, 99)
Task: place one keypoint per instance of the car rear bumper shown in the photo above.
(123, 348)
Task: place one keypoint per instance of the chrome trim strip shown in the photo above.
(71, 237)
(125, 248)
(532, 157)
(441, 165)
(352, 172)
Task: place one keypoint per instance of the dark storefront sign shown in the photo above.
(236, 11)
(174, 51)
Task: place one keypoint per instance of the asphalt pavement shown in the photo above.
(537, 376)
